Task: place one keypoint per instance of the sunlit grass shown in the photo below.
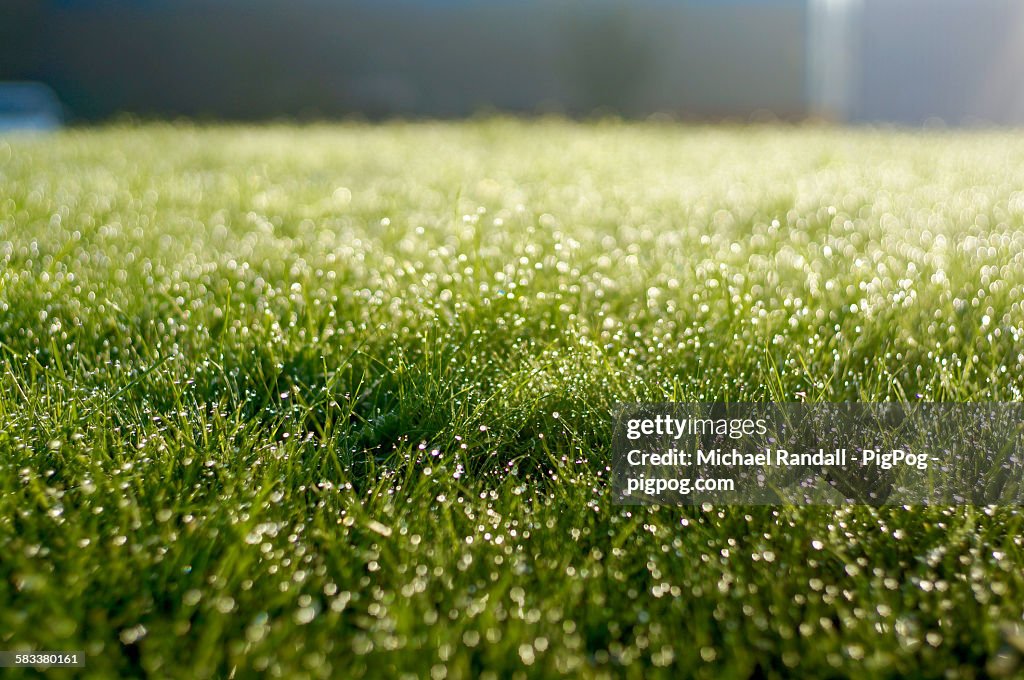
(335, 401)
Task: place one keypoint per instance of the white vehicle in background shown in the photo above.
(29, 106)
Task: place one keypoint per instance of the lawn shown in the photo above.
(335, 401)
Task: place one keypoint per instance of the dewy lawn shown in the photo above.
(335, 401)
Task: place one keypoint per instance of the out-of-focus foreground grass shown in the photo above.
(335, 401)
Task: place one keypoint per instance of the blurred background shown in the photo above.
(960, 62)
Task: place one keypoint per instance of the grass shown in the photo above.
(334, 401)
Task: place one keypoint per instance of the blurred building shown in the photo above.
(888, 60)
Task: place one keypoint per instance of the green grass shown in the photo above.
(335, 401)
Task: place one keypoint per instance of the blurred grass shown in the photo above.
(335, 400)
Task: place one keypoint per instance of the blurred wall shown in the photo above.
(903, 61)
(251, 59)
(958, 60)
